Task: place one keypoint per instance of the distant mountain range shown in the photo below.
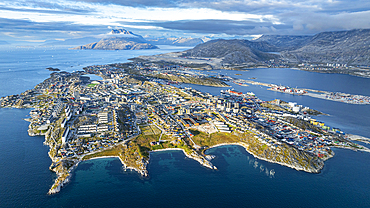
(344, 47)
(176, 41)
(120, 40)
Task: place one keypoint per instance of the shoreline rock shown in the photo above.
(58, 183)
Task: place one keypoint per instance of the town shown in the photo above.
(132, 111)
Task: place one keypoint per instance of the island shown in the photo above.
(139, 107)
(53, 69)
(119, 39)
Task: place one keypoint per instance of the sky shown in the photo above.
(40, 21)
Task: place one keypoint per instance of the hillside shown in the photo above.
(233, 51)
(344, 47)
(284, 42)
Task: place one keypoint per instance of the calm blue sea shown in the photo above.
(176, 181)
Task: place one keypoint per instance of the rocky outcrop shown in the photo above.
(284, 155)
(64, 170)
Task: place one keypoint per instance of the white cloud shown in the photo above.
(245, 16)
(36, 41)
(111, 14)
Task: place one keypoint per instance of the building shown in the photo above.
(65, 135)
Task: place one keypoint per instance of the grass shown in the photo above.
(92, 85)
(114, 151)
(204, 139)
(273, 107)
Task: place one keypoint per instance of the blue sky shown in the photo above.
(38, 21)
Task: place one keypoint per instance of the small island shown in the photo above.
(53, 69)
(140, 107)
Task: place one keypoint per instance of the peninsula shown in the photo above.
(139, 107)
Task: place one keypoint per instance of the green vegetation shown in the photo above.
(313, 112)
(204, 139)
(208, 81)
(92, 85)
(273, 107)
(114, 151)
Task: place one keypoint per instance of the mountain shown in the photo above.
(344, 47)
(122, 32)
(284, 42)
(233, 51)
(119, 39)
(341, 47)
(176, 41)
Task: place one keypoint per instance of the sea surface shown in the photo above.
(174, 180)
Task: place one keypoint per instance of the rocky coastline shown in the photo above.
(64, 174)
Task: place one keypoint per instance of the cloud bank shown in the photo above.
(48, 19)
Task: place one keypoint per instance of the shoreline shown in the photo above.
(197, 158)
(202, 160)
(245, 146)
(65, 181)
(65, 166)
(358, 138)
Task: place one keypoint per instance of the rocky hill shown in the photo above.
(233, 51)
(119, 39)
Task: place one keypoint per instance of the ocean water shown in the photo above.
(23, 68)
(174, 180)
